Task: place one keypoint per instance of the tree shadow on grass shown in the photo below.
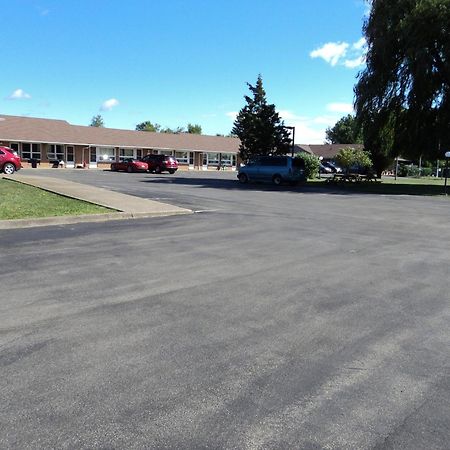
(388, 188)
(374, 188)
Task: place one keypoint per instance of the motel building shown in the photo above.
(56, 143)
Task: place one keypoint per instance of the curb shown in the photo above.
(87, 218)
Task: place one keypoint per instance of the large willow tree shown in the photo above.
(403, 95)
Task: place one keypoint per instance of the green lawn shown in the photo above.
(19, 201)
(401, 186)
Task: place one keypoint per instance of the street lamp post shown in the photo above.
(447, 156)
(293, 138)
(320, 162)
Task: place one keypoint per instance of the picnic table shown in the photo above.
(351, 178)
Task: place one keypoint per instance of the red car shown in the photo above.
(161, 163)
(130, 165)
(9, 161)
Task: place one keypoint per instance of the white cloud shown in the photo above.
(107, 105)
(308, 130)
(343, 54)
(287, 115)
(353, 63)
(232, 115)
(18, 94)
(346, 108)
(327, 121)
(358, 45)
(305, 134)
(331, 52)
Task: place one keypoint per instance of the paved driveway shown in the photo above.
(276, 318)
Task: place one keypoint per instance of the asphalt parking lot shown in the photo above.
(273, 318)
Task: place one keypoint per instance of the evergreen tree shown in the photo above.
(97, 121)
(259, 127)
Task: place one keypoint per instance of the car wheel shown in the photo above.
(277, 180)
(113, 169)
(158, 169)
(171, 171)
(130, 169)
(243, 178)
(9, 168)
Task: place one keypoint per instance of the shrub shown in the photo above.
(352, 157)
(408, 170)
(311, 164)
(402, 170)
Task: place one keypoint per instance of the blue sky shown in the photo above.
(174, 62)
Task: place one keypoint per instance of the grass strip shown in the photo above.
(20, 201)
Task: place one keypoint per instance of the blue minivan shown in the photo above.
(275, 169)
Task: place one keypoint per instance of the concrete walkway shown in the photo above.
(123, 206)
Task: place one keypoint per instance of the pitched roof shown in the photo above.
(50, 131)
(328, 151)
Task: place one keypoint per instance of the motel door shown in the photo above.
(70, 157)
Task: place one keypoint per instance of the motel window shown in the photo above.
(31, 151)
(211, 159)
(105, 154)
(149, 151)
(15, 146)
(127, 153)
(227, 159)
(182, 157)
(55, 152)
(139, 153)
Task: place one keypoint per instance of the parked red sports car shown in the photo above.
(9, 160)
(130, 165)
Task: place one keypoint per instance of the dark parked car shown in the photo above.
(161, 163)
(333, 166)
(130, 165)
(325, 168)
(9, 161)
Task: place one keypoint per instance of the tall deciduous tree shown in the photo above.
(345, 131)
(403, 95)
(176, 130)
(194, 128)
(97, 121)
(259, 127)
(148, 126)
